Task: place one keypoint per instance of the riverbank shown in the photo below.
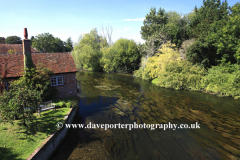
(28, 139)
(225, 92)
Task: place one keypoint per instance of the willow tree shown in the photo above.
(87, 52)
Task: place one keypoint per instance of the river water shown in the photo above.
(118, 98)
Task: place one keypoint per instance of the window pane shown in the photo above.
(53, 81)
(60, 80)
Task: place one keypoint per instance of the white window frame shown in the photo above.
(57, 84)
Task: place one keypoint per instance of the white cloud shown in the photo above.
(137, 19)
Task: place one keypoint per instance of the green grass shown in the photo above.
(16, 142)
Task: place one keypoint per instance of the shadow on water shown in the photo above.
(114, 99)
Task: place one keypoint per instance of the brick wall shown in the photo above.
(69, 87)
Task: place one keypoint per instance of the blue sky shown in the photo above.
(71, 18)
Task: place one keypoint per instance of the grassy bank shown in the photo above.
(18, 142)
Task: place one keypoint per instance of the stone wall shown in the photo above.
(69, 88)
(52, 143)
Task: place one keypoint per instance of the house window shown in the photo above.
(56, 81)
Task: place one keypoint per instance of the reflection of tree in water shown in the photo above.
(219, 133)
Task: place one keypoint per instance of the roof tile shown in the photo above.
(11, 65)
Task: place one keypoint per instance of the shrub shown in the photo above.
(224, 79)
(181, 75)
(69, 104)
(60, 104)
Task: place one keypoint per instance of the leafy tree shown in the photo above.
(19, 102)
(58, 45)
(69, 45)
(13, 40)
(32, 38)
(181, 75)
(224, 80)
(122, 56)
(46, 43)
(87, 52)
(211, 12)
(209, 19)
(227, 38)
(153, 22)
(157, 63)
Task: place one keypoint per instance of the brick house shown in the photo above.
(61, 64)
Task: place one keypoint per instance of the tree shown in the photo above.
(46, 43)
(211, 12)
(107, 33)
(69, 45)
(122, 56)
(25, 95)
(19, 102)
(227, 38)
(39, 77)
(13, 40)
(87, 52)
(153, 22)
(156, 64)
(32, 38)
(209, 19)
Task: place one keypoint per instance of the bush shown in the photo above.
(60, 104)
(181, 75)
(224, 79)
(69, 104)
(142, 73)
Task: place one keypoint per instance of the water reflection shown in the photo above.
(115, 98)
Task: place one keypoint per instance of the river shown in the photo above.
(119, 98)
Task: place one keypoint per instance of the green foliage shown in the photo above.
(69, 103)
(39, 77)
(69, 45)
(157, 63)
(12, 51)
(60, 104)
(108, 54)
(181, 75)
(13, 40)
(227, 38)
(20, 102)
(123, 56)
(87, 53)
(32, 38)
(151, 66)
(154, 21)
(224, 80)
(211, 12)
(207, 26)
(142, 73)
(46, 43)
(14, 137)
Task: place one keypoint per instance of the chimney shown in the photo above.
(27, 50)
(3, 40)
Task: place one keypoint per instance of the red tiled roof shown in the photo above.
(11, 65)
(4, 48)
